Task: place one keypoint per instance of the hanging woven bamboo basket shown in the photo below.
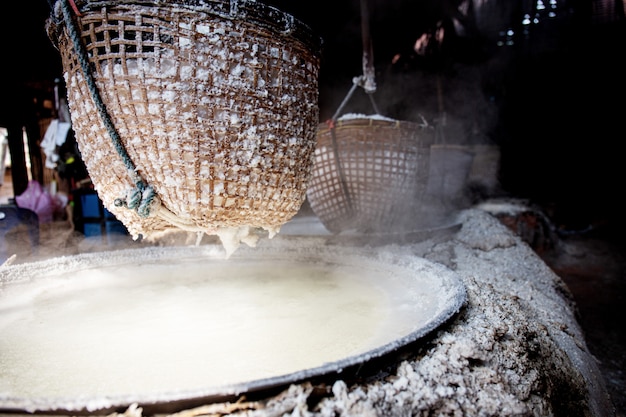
(370, 174)
(215, 103)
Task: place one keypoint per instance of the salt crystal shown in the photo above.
(203, 29)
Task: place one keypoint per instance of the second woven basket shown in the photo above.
(370, 174)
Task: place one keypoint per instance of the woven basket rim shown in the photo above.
(364, 122)
(268, 17)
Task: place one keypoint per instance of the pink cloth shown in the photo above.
(37, 199)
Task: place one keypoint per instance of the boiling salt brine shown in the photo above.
(192, 115)
(157, 325)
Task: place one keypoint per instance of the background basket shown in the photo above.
(215, 103)
(370, 174)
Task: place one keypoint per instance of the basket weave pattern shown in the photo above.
(218, 114)
(372, 177)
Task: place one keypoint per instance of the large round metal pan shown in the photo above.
(165, 326)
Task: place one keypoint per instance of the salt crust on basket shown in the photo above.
(218, 114)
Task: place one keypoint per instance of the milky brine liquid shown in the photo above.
(160, 327)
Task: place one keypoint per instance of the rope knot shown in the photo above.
(145, 202)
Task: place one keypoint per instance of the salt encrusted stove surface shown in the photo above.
(515, 349)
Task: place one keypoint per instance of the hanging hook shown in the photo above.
(368, 82)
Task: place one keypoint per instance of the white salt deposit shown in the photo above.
(351, 116)
(232, 237)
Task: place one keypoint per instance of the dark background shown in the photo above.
(550, 95)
